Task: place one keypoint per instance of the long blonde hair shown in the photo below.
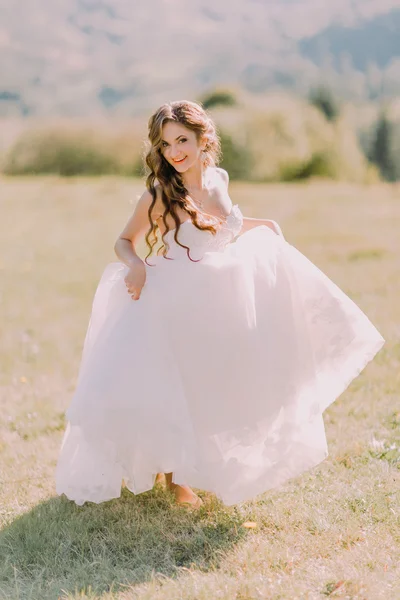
(173, 191)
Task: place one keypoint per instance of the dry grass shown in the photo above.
(331, 533)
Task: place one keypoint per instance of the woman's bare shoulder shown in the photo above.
(147, 199)
(224, 175)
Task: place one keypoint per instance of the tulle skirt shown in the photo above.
(219, 373)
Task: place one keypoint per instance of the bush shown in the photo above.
(266, 138)
(70, 148)
(58, 152)
(293, 140)
(236, 158)
(320, 164)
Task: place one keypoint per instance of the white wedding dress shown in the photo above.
(219, 373)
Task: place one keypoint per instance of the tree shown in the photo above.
(218, 98)
(382, 151)
(322, 98)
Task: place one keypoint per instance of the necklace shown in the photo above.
(199, 203)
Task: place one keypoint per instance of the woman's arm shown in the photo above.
(250, 223)
(124, 247)
(135, 228)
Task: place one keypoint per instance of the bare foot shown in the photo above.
(186, 496)
(160, 479)
(183, 493)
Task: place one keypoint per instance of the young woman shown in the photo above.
(213, 359)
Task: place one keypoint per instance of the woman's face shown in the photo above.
(179, 146)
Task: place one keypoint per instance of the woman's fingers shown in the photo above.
(133, 290)
(135, 294)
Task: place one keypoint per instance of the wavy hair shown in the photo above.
(173, 191)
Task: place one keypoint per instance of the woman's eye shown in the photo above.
(165, 144)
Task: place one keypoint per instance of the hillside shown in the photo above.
(90, 56)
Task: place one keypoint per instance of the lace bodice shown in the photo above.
(201, 241)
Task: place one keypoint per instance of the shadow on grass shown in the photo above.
(59, 547)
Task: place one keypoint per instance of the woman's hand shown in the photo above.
(250, 223)
(135, 278)
(275, 227)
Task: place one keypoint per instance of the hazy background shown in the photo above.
(84, 57)
(105, 66)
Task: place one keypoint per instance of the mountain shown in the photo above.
(85, 57)
(376, 41)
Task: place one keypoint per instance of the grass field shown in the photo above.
(334, 532)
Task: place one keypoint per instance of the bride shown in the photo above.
(213, 358)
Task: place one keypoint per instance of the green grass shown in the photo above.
(333, 532)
